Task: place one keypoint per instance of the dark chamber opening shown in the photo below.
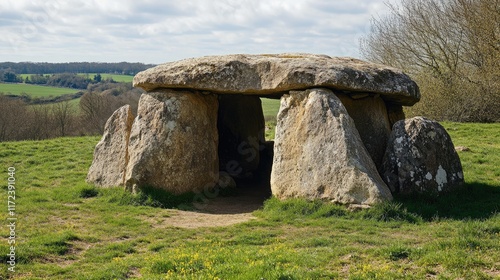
(244, 154)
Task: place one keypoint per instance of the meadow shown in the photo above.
(115, 77)
(67, 229)
(34, 90)
(104, 76)
(47, 91)
(270, 108)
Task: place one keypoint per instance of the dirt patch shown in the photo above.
(191, 220)
(219, 211)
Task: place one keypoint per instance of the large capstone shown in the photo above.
(110, 155)
(173, 142)
(280, 73)
(319, 154)
(421, 158)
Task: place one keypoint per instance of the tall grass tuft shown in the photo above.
(149, 196)
(390, 212)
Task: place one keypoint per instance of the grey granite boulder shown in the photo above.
(421, 158)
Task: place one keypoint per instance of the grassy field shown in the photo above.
(46, 91)
(115, 77)
(270, 107)
(67, 229)
(35, 90)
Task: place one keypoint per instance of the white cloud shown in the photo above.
(155, 31)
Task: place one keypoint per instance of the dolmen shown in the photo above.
(341, 132)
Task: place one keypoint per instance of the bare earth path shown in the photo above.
(219, 211)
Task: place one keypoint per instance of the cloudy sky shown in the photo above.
(154, 31)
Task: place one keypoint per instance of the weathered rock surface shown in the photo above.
(395, 113)
(173, 142)
(421, 158)
(110, 155)
(372, 122)
(200, 127)
(318, 153)
(272, 74)
(241, 134)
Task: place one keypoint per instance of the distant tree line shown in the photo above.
(68, 80)
(124, 68)
(451, 48)
(21, 120)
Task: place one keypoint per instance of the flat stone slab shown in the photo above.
(275, 74)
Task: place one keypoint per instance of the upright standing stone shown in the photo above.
(173, 143)
(421, 158)
(241, 134)
(318, 153)
(110, 155)
(372, 122)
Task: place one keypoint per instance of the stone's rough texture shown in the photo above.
(241, 132)
(173, 142)
(318, 153)
(421, 158)
(110, 155)
(395, 113)
(370, 116)
(268, 74)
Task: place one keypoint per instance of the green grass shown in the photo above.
(34, 90)
(68, 229)
(115, 77)
(483, 140)
(270, 107)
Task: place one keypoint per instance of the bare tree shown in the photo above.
(40, 124)
(63, 114)
(12, 113)
(95, 109)
(22, 121)
(452, 49)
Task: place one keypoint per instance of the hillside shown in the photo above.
(69, 230)
(34, 90)
(125, 68)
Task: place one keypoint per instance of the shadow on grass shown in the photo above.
(474, 201)
(153, 197)
(147, 196)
